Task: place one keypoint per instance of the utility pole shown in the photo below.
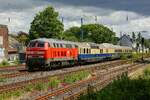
(142, 48)
(62, 20)
(81, 29)
(95, 19)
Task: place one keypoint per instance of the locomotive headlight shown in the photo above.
(40, 52)
(29, 56)
(30, 52)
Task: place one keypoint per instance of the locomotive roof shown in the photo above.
(53, 41)
(83, 45)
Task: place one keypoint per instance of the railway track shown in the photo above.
(21, 70)
(15, 74)
(98, 81)
(24, 72)
(67, 71)
(12, 68)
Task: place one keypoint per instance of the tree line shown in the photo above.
(47, 25)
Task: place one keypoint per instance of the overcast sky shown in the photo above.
(18, 14)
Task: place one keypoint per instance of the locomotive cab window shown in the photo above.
(32, 44)
(41, 44)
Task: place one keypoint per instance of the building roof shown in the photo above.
(127, 37)
(3, 26)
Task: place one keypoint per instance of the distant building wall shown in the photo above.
(4, 40)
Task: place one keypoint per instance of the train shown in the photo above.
(45, 53)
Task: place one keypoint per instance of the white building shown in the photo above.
(125, 40)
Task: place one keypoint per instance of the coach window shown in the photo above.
(80, 50)
(107, 50)
(101, 50)
(87, 51)
(84, 50)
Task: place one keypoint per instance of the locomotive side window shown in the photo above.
(57, 45)
(61, 45)
(54, 44)
(49, 45)
(68, 46)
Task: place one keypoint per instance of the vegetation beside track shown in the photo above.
(124, 88)
(5, 63)
(53, 83)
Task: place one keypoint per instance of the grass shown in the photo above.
(2, 79)
(76, 77)
(53, 83)
(9, 95)
(4, 63)
(141, 72)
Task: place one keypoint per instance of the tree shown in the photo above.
(139, 38)
(72, 34)
(91, 33)
(22, 38)
(98, 33)
(133, 36)
(45, 24)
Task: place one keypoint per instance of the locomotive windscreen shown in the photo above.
(36, 44)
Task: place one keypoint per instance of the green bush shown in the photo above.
(4, 63)
(123, 88)
(124, 57)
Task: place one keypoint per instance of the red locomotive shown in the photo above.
(50, 52)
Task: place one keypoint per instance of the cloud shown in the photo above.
(22, 12)
(138, 6)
